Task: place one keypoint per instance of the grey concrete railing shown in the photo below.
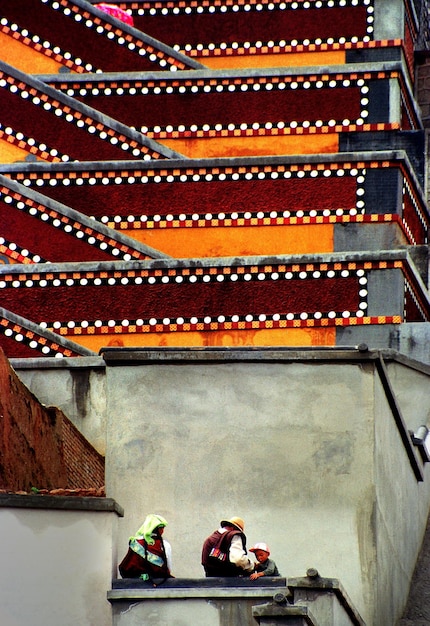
(199, 601)
(311, 600)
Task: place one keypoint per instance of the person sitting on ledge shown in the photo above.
(264, 566)
(149, 556)
(224, 551)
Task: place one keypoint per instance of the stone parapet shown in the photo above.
(327, 598)
(296, 601)
(213, 602)
(272, 614)
(60, 503)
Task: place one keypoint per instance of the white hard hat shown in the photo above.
(260, 546)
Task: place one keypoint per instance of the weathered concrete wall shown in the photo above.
(411, 339)
(388, 20)
(401, 505)
(194, 607)
(305, 449)
(289, 447)
(410, 387)
(55, 565)
(417, 612)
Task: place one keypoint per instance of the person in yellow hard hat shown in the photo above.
(224, 551)
(264, 565)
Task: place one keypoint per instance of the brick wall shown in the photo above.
(423, 86)
(30, 437)
(423, 99)
(84, 465)
(39, 446)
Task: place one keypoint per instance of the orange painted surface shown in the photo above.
(219, 147)
(264, 337)
(25, 58)
(298, 59)
(254, 146)
(237, 241)
(9, 153)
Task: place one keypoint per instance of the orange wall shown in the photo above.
(222, 146)
(258, 337)
(238, 241)
(254, 146)
(300, 59)
(25, 58)
(10, 153)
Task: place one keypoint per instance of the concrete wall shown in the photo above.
(410, 387)
(389, 20)
(303, 446)
(278, 445)
(401, 509)
(289, 447)
(191, 607)
(55, 565)
(411, 339)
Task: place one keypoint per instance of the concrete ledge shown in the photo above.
(394, 154)
(46, 362)
(361, 256)
(352, 354)
(137, 356)
(195, 75)
(293, 615)
(183, 588)
(64, 503)
(207, 583)
(313, 582)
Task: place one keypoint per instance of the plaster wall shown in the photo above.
(409, 386)
(411, 339)
(389, 19)
(402, 503)
(385, 293)
(203, 611)
(55, 567)
(359, 236)
(324, 606)
(306, 451)
(288, 447)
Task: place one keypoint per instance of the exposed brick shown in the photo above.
(39, 445)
